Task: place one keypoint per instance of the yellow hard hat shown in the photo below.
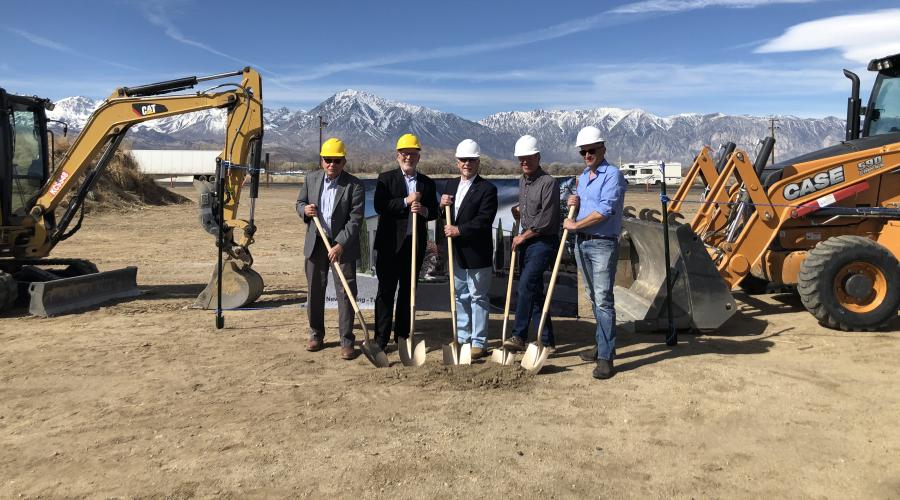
(408, 141)
(332, 148)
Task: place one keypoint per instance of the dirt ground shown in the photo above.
(146, 398)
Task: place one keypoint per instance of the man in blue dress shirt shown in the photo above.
(600, 198)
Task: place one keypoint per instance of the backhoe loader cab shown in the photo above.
(826, 223)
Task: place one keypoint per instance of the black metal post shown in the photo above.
(672, 333)
(220, 211)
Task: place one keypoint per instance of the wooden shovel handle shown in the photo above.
(509, 284)
(452, 280)
(413, 277)
(549, 297)
(340, 275)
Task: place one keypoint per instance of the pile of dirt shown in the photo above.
(123, 186)
(462, 378)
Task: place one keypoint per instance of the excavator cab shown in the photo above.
(24, 164)
(826, 223)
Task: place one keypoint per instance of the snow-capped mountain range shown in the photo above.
(370, 124)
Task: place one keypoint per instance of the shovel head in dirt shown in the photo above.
(241, 285)
(701, 299)
(58, 296)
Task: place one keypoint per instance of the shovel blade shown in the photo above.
(503, 357)
(375, 355)
(465, 354)
(451, 356)
(412, 355)
(534, 358)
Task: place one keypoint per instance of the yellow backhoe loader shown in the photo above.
(827, 223)
(32, 188)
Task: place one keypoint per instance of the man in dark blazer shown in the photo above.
(473, 202)
(399, 193)
(337, 198)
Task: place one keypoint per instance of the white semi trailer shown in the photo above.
(180, 165)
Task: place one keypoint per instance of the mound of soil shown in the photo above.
(123, 186)
(463, 378)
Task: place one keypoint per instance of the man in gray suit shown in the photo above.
(337, 198)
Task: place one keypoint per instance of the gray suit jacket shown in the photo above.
(349, 210)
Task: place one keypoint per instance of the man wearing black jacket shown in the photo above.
(473, 202)
(400, 193)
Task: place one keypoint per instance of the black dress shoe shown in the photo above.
(588, 356)
(604, 369)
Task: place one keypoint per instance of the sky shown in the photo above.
(471, 58)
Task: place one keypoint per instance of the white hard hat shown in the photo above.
(526, 146)
(588, 135)
(468, 149)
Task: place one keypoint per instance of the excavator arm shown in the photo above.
(126, 107)
(33, 236)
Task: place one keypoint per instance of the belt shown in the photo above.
(589, 237)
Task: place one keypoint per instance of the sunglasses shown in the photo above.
(589, 151)
(408, 155)
(467, 160)
(333, 161)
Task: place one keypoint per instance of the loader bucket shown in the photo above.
(241, 285)
(58, 296)
(701, 299)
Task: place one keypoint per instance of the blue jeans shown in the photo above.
(597, 260)
(472, 304)
(537, 255)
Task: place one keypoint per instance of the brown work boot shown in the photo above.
(514, 344)
(314, 345)
(479, 352)
(348, 352)
(604, 369)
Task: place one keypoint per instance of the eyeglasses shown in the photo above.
(589, 151)
(408, 154)
(333, 161)
(467, 160)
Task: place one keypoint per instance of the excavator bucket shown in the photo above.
(241, 285)
(701, 299)
(59, 296)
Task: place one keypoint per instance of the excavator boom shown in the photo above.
(36, 217)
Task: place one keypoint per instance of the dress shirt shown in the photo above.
(329, 189)
(604, 194)
(461, 191)
(539, 203)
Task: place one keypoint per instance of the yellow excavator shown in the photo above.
(40, 201)
(826, 223)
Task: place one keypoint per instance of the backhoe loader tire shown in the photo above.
(9, 291)
(867, 303)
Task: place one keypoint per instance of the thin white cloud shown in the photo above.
(619, 15)
(858, 37)
(155, 14)
(59, 47)
(649, 6)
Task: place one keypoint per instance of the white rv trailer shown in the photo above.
(649, 172)
(180, 165)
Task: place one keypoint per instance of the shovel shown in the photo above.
(408, 355)
(371, 350)
(536, 354)
(454, 354)
(503, 355)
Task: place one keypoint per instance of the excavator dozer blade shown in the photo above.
(58, 296)
(241, 285)
(701, 299)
